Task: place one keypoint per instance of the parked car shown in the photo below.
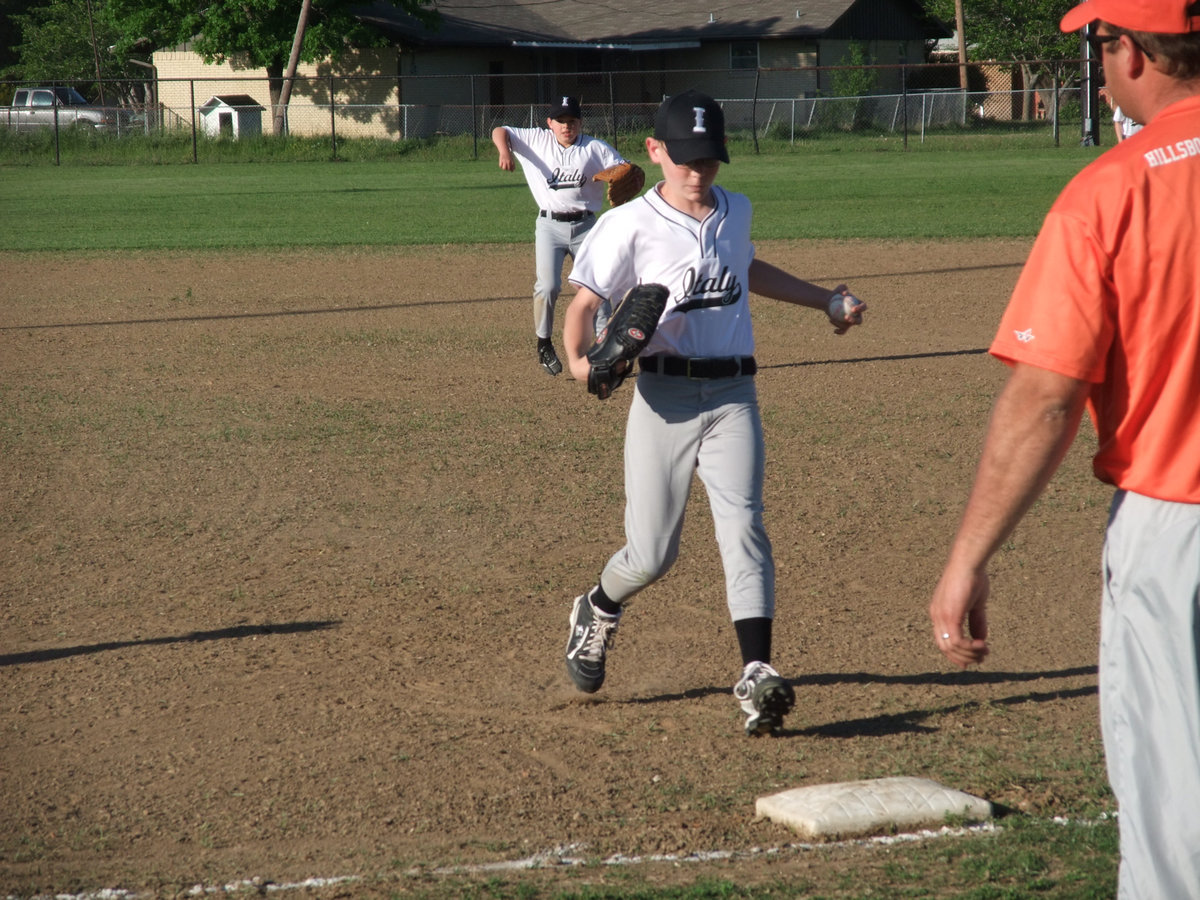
(42, 107)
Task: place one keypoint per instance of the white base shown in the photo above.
(869, 807)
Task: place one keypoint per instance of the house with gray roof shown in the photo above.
(579, 47)
(487, 62)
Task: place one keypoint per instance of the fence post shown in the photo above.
(332, 118)
(754, 109)
(904, 100)
(612, 110)
(57, 149)
(474, 122)
(402, 106)
(192, 92)
(1054, 108)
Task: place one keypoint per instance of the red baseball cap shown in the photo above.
(1156, 16)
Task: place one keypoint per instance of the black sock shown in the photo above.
(545, 342)
(754, 639)
(602, 602)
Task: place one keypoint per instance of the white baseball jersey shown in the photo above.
(705, 265)
(559, 177)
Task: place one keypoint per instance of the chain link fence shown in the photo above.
(1012, 104)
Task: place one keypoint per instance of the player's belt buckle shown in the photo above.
(706, 367)
(700, 367)
(576, 216)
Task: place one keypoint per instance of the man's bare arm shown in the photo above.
(1033, 425)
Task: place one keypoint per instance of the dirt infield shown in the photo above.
(290, 541)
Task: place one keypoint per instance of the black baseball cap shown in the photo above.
(566, 106)
(692, 125)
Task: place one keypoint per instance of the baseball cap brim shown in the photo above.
(692, 149)
(1154, 16)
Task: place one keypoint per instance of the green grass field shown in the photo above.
(860, 195)
(411, 200)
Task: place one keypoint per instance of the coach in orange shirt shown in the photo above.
(1106, 316)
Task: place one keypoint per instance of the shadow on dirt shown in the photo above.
(911, 721)
(220, 634)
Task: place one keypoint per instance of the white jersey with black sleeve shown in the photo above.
(560, 178)
(704, 264)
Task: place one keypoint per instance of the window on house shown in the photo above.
(589, 65)
(496, 83)
(743, 55)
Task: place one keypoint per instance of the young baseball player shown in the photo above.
(559, 162)
(695, 406)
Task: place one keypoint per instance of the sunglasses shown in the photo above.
(1097, 42)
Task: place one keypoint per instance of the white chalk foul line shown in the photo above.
(567, 855)
(245, 885)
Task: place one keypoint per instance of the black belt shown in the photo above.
(700, 366)
(577, 216)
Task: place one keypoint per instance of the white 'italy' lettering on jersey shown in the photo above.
(560, 178)
(704, 264)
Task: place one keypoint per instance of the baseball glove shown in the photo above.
(629, 330)
(625, 181)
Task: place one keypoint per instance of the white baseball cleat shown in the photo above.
(765, 697)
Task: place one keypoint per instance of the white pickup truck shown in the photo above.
(44, 107)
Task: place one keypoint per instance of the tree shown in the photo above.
(259, 31)
(11, 29)
(1025, 31)
(73, 41)
(57, 44)
(853, 79)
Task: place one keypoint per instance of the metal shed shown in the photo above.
(232, 115)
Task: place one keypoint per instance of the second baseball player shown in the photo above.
(559, 163)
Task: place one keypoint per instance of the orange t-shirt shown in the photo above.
(1111, 294)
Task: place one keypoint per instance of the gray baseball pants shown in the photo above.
(679, 427)
(552, 241)
(1150, 693)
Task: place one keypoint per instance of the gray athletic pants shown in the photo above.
(552, 241)
(1150, 692)
(678, 427)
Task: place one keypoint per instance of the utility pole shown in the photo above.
(285, 93)
(962, 45)
(95, 51)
